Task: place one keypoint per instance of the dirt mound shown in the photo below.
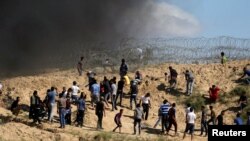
(205, 76)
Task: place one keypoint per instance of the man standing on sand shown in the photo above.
(15, 107)
(190, 123)
(214, 93)
(80, 109)
(62, 110)
(146, 104)
(138, 116)
(164, 112)
(133, 93)
(120, 87)
(95, 93)
(100, 112)
(80, 66)
(173, 77)
(220, 118)
(118, 120)
(113, 94)
(203, 120)
(172, 119)
(212, 116)
(51, 103)
(123, 68)
(223, 58)
(190, 82)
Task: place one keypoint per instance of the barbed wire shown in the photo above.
(156, 50)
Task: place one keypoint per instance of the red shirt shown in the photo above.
(214, 93)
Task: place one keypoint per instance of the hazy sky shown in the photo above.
(218, 17)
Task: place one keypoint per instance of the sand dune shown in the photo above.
(23, 86)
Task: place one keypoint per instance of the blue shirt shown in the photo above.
(165, 108)
(247, 72)
(238, 121)
(52, 97)
(95, 89)
(81, 104)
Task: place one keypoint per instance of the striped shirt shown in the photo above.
(165, 108)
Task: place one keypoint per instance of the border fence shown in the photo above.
(158, 50)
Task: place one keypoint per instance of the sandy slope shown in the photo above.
(205, 76)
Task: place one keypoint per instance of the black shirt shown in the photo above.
(14, 105)
(120, 85)
(173, 73)
(243, 98)
(220, 120)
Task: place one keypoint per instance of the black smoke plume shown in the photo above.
(36, 34)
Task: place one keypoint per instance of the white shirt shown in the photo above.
(75, 90)
(114, 89)
(188, 110)
(145, 100)
(191, 117)
(1, 86)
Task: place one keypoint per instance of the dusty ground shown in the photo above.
(23, 86)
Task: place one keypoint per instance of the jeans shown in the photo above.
(80, 117)
(68, 116)
(145, 110)
(164, 120)
(204, 126)
(62, 113)
(137, 121)
(158, 121)
(50, 111)
(132, 98)
(107, 95)
(99, 122)
(119, 94)
(113, 102)
(211, 120)
(189, 87)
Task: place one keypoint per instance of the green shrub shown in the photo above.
(223, 98)
(238, 91)
(244, 113)
(196, 101)
(103, 136)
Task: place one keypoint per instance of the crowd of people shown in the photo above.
(109, 91)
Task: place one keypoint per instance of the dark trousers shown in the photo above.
(132, 98)
(80, 116)
(145, 110)
(211, 120)
(204, 127)
(99, 122)
(119, 94)
(137, 121)
(172, 122)
(68, 118)
(36, 115)
(164, 121)
(32, 111)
